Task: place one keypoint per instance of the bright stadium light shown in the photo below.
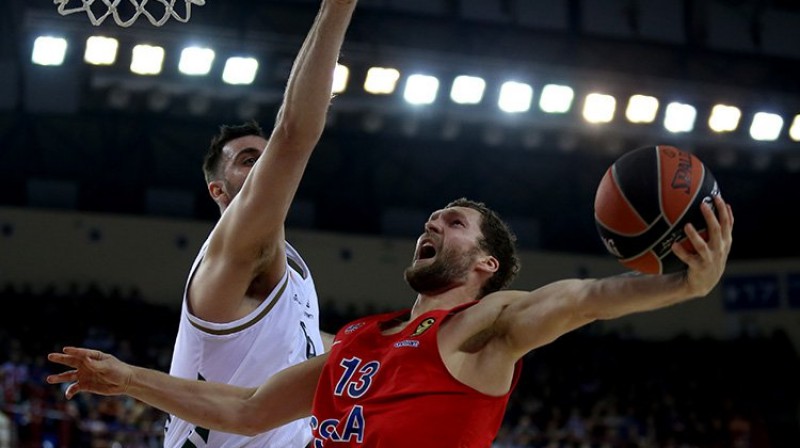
(641, 109)
(341, 74)
(48, 50)
(599, 108)
(794, 131)
(381, 80)
(680, 117)
(421, 89)
(147, 60)
(515, 97)
(766, 126)
(467, 89)
(724, 118)
(196, 61)
(240, 71)
(101, 50)
(556, 99)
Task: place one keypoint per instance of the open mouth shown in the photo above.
(427, 251)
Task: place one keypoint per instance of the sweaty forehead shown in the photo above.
(465, 212)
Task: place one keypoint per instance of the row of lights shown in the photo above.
(420, 89)
(146, 60)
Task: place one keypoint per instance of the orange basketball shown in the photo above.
(643, 202)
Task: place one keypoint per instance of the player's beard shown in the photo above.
(449, 268)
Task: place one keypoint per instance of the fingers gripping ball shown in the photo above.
(643, 202)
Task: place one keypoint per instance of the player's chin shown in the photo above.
(419, 262)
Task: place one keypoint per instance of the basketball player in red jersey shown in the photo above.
(439, 374)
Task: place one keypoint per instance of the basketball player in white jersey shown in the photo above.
(250, 307)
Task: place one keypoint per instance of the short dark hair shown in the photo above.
(499, 241)
(225, 135)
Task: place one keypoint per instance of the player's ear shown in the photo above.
(488, 263)
(217, 193)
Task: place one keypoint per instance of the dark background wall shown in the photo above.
(380, 165)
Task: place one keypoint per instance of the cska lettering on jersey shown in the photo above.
(330, 430)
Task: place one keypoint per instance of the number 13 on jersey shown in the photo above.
(354, 382)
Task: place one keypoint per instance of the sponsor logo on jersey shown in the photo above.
(407, 343)
(423, 326)
(353, 327)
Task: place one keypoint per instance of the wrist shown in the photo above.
(684, 287)
(135, 381)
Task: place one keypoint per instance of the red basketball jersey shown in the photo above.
(394, 391)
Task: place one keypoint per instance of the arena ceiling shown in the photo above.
(381, 166)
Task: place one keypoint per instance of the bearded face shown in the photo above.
(440, 272)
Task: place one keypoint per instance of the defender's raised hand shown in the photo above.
(93, 371)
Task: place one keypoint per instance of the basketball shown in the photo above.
(643, 202)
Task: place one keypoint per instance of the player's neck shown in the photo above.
(444, 300)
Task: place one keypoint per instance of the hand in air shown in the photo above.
(93, 371)
(707, 263)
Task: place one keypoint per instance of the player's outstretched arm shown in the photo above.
(285, 397)
(527, 320)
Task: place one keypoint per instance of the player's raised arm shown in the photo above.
(299, 125)
(528, 320)
(285, 397)
(248, 240)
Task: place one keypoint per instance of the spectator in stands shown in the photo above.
(5, 431)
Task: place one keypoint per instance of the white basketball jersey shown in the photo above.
(281, 332)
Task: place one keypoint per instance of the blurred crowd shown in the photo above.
(36, 323)
(586, 390)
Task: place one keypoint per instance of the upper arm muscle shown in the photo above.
(532, 319)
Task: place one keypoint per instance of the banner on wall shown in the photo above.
(793, 289)
(751, 292)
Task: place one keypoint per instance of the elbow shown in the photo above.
(241, 416)
(249, 424)
(296, 129)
